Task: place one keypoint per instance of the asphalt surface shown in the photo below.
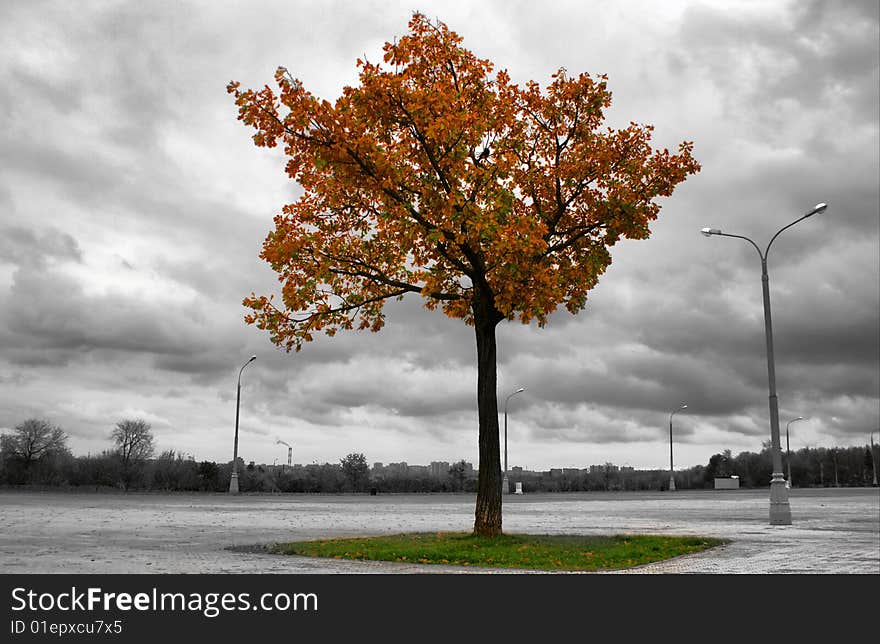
(833, 531)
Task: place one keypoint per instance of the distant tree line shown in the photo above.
(810, 467)
(35, 453)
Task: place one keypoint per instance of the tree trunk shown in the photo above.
(487, 521)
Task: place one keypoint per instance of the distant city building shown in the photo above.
(397, 469)
(438, 469)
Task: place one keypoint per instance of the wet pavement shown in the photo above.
(833, 531)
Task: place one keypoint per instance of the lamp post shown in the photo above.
(780, 509)
(671, 477)
(505, 486)
(787, 449)
(233, 480)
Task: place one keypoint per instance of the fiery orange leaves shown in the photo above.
(436, 176)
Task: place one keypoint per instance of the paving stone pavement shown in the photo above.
(834, 530)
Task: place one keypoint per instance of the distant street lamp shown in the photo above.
(780, 509)
(671, 477)
(787, 450)
(505, 486)
(233, 480)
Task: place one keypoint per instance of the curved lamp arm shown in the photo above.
(244, 365)
(818, 208)
(518, 391)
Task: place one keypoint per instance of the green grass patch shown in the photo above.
(538, 552)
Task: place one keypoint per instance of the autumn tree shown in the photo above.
(134, 444)
(438, 176)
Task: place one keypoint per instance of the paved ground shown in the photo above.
(833, 530)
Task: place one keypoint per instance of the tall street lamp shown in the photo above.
(233, 480)
(671, 477)
(787, 449)
(505, 486)
(780, 509)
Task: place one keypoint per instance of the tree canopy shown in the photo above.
(134, 440)
(356, 470)
(436, 176)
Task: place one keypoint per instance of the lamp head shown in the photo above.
(708, 232)
(252, 358)
(818, 209)
(683, 406)
(520, 390)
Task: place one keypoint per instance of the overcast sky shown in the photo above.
(133, 206)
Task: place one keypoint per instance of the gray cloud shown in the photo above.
(53, 313)
(23, 246)
(818, 53)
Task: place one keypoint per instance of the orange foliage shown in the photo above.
(437, 175)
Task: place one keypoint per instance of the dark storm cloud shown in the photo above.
(796, 59)
(205, 363)
(329, 391)
(421, 338)
(52, 312)
(758, 192)
(27, 355)
(84, 175)
(420, 366)
(825, 326)
(636, 379)
(821, 51)
(25, 246)
(398, 393)
(817, 321)
(800, 96)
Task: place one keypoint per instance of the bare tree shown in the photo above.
(32, 440)
(134, 444)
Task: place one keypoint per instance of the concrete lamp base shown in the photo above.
(505, 486)
(233, 484)
(780, 509)
(672, 484)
